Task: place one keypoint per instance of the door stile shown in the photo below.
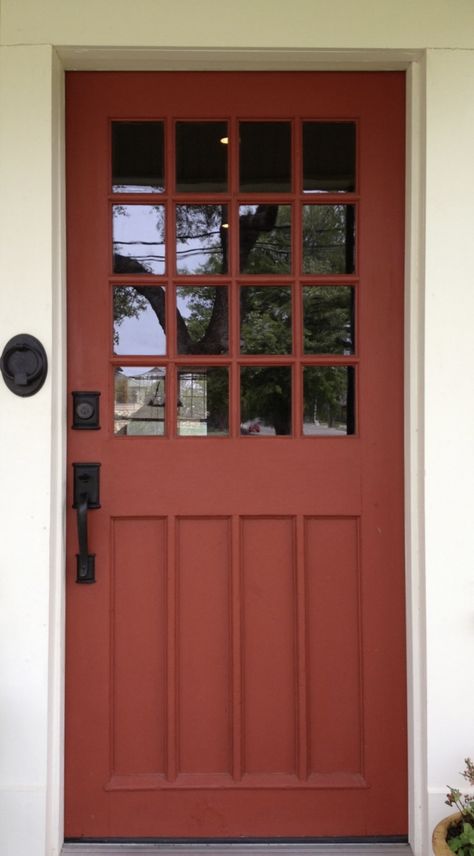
(172, 726)
(301, 653)
(236, 649)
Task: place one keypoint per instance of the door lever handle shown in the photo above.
(86, 495)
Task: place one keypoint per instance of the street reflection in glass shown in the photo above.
(265, 320)
(202, 319)
(139, 239)
(265, 156)
(137, 157)
(139, 320)
(203, 402)
(328, 319)
(139, 400)
(328, 157)
(201, 239)
(328, 239)
(329, 400)
(201, 157)
(265, 238)
(265, 400)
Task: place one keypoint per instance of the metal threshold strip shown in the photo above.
(237, 849)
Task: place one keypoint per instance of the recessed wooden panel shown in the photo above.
(203, 556)
(268, 595)
(138, 645)
(332, 576)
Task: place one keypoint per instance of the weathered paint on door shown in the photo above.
(237, 669)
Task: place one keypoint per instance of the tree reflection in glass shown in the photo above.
(265, 400)
(328, 319)
(202, 319)
(265, 320)
(201, 239)
(329, 400)
(328, 239)
(265, 238)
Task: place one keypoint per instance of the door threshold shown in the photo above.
(236, 849)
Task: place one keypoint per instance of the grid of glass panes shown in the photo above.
(234, 278)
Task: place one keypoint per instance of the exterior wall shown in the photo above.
(435, 39)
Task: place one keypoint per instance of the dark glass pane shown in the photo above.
(265, 320)
(203, 402)
(329, 400)
(139, 400)
(328, 157)
(265, 238)
(139, 320)
(328, 319)
(137, 157)
(265, 156)
(139, 239)
(201, 239)
(328, 239)
(202, 320)
(265, 400)
(201, 157)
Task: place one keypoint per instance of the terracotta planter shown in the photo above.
(440, 848)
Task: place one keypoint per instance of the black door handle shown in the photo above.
(86, 495)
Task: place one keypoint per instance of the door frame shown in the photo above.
(174, 59)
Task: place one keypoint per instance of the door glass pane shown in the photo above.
(139, 400)
(265, 400)
(139, 320)
(328, 157)
(202, 319)
(329, 400)
(137, 157)
(201, 157)
(265, 156)
(139, 239)
(265, 320)
(203, 401)
(328, 239)
(328, 319)
(265, 238)
(201, 239)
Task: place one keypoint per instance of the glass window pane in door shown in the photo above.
(203, 401)
(265, 320)
(202, 319)
(139, 239)
(137, 157)
(329, 400)
(329, 157)
(201, 157)
(139, 320)
(328, 319)
(201, 239)
(328, 239)
(265, 401)
(139, 400)
(265, 157)
(265, 238)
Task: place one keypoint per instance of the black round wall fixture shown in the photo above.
(24, 365)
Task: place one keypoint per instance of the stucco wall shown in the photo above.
(40, 36)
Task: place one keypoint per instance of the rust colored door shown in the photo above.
(235, 267)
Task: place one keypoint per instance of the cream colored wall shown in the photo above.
(435, 41)
(330, 24)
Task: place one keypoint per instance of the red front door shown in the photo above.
(235, 265)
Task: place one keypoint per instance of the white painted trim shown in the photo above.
(170, 59)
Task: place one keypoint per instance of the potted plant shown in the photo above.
(455, 834)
